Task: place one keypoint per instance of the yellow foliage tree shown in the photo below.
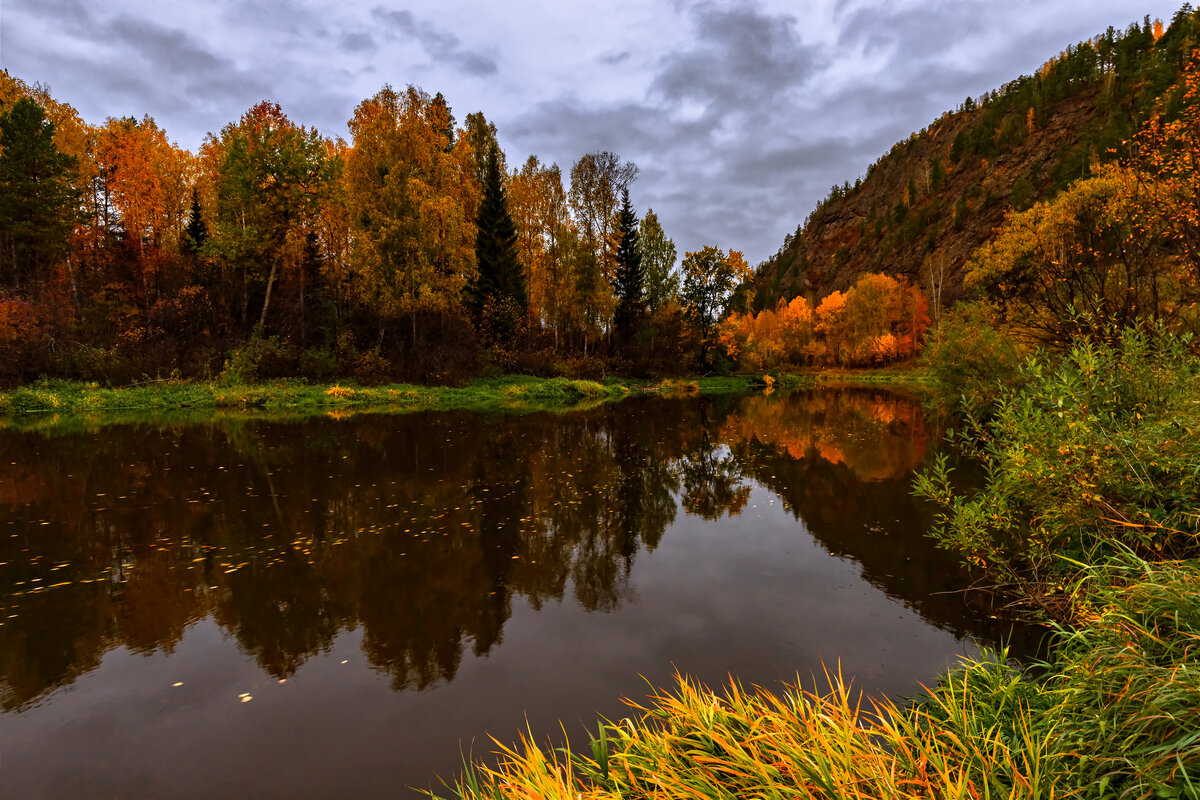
(413, 199)
(1079, 264)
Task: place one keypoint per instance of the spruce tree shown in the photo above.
(38, 204)
(629, 279)
(501, 281)
(196, 232)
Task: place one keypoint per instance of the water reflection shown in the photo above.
(422, 529)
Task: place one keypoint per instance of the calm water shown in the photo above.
(338, 608)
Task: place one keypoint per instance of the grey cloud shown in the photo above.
(729, 176)
(293, 18)
(165, 47)
(358, 42)
(763, 166)
(438, 44)
(918, 39)
(212, 82)
(615, 58)
(704, 192)
(742, 56)
(565, 122)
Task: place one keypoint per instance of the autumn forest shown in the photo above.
(411, 252)
(417, 252)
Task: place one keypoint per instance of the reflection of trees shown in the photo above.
(712, 481)
(422, 529)
(841, 461)
(878, 435)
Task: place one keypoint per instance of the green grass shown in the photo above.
(54, 404)
(906, 375)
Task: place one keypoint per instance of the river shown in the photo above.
(341, 607)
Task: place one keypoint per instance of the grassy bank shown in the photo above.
(909, 374)
(1090, 516)
(54, 403)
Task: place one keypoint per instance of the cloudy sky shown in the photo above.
(740, 114)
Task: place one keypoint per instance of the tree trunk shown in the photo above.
(262, 319)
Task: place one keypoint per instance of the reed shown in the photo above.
(1115, 713)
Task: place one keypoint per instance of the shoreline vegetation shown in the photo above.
(48, 403)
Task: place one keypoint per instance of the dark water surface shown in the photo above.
(335, 608)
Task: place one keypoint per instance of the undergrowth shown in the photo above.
(1094, 453)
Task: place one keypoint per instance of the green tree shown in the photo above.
(500, 282)
(38, 204)
(658, 259)
(629, 279)
(195, 234)
(709, 277)
(270, 176)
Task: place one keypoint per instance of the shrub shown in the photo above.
(319, 364)
(1094, 454)
(970, 358)
(258, 359)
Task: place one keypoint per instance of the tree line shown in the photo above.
(412, 251)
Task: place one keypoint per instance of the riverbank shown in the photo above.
(51, 403)
(1114, 715)
(508, 393)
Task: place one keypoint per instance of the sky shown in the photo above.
(740, 115)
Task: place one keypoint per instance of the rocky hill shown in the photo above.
(923, 207)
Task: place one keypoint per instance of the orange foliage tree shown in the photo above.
(1165, 160)
(148, 181)
(1096, 257)
(879, 320)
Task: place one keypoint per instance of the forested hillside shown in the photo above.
(925, 206)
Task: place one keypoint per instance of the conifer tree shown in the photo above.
(38, 204)
(501, 281)
(629, 278)
(196, 232)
